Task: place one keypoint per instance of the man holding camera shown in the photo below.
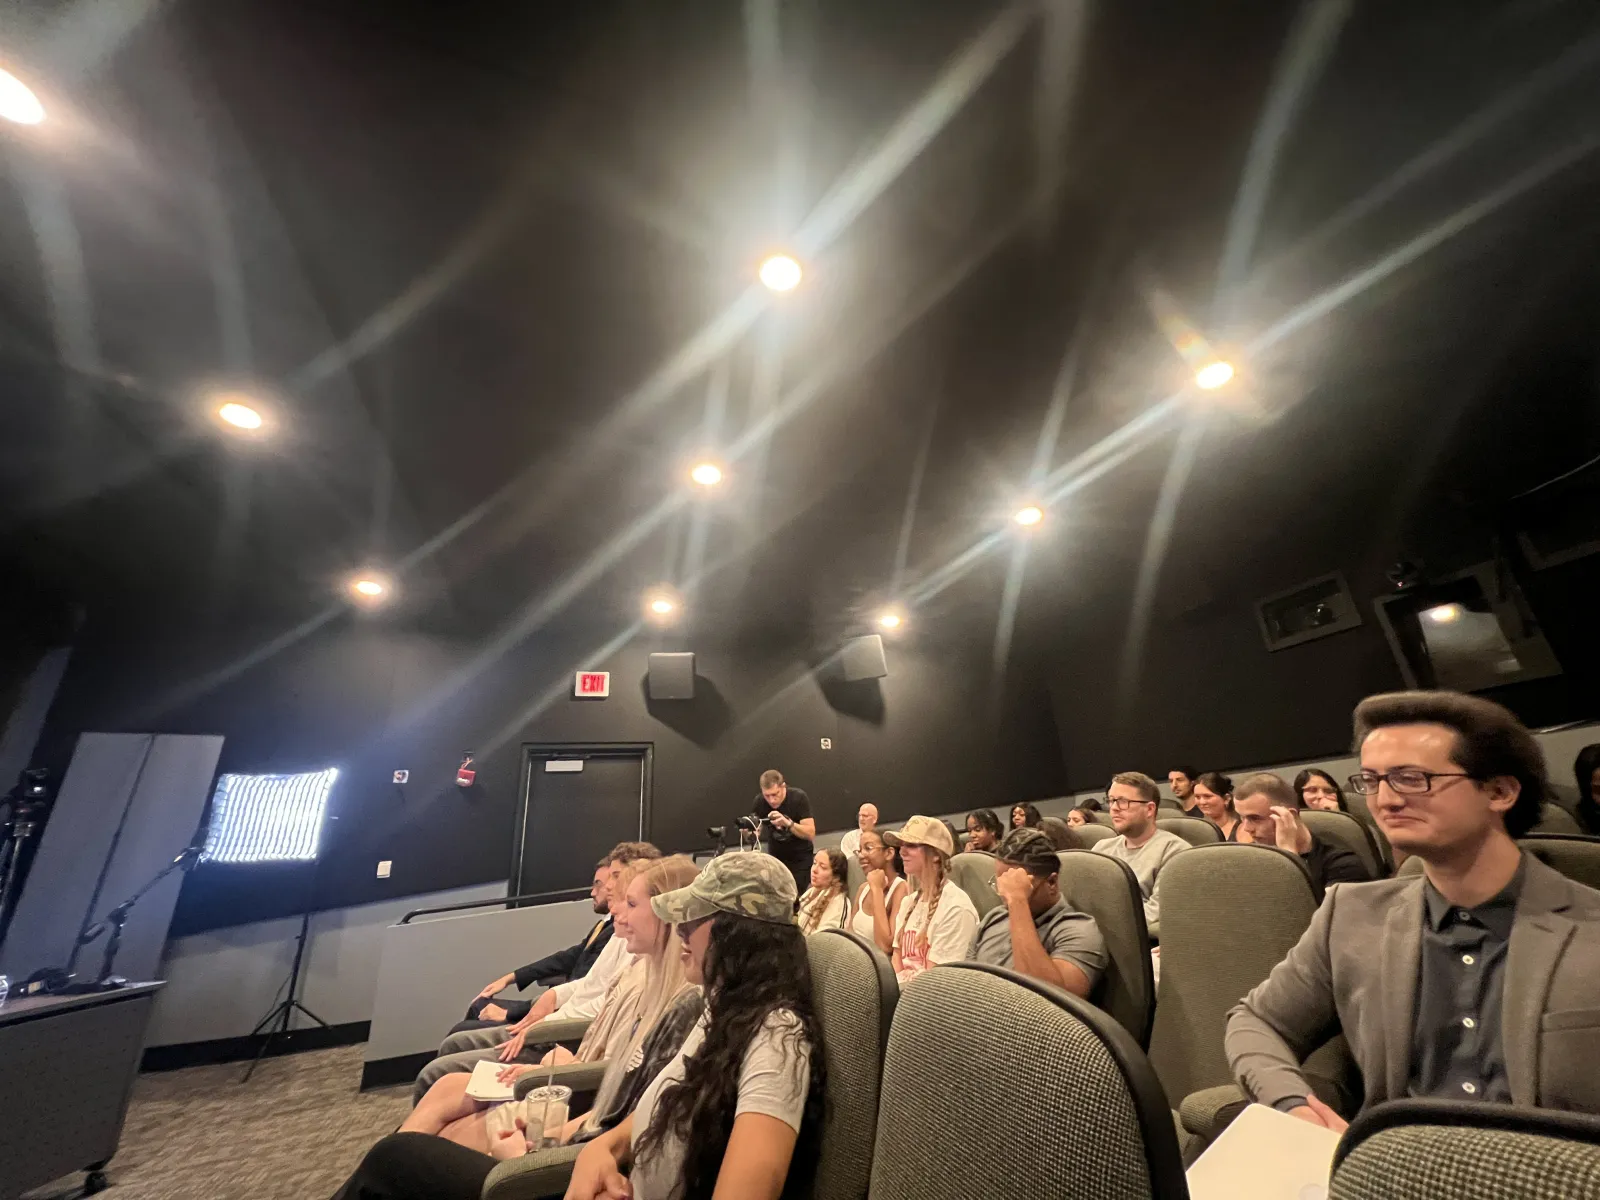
(790, 829)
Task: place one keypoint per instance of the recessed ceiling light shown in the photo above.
(890, 619)
(1213, 375)
(1443, 614)
(17, 101)
(370, 588)
(780, 272)
(1029, 514)
(706, 474)
(239, 415)
(661, 603)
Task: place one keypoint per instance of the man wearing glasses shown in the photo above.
(1132, 799)
(1478, 980)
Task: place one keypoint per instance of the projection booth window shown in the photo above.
(267, 818)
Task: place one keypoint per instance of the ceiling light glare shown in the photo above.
(1443, 614)
(661, 604)
(1213, 375)
(706, 474)
(780, 273)
(370, 589)
(890, 620)
(240, 416)
(17, 101)
(1028, 515)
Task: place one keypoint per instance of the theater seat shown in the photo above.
(1343, 830)
(1106, 889)
(1442, 1150)
(996, 1085)
(1576, 857)
(854, 991)
(1197, 831)
(1555, 819)
(1087, 835)
(974, 875)
(1229, 914)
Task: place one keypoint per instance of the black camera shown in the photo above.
(718, 833)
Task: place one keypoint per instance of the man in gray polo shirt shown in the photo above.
(1033, 931)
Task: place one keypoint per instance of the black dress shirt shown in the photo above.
(1456, 1047)
(1328, 863)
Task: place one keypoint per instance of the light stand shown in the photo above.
(284, 1011)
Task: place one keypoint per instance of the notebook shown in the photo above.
(485, 1082)
(1265, 1155)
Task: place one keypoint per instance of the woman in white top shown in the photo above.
(825, 904)
(940, 924)
(881, 896)
(743, 1099)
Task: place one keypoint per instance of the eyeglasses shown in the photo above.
(1405, 781)
(1110, 803)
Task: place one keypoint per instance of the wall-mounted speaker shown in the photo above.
(862, 658)
(671, 676)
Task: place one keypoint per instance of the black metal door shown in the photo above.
(578, 802)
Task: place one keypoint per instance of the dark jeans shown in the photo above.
(418, 1166)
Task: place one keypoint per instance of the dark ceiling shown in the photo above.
(489, 269)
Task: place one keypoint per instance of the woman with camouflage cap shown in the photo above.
(743, 1099)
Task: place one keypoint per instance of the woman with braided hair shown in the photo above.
(939, 924)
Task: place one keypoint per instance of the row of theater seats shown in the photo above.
(978, 1074)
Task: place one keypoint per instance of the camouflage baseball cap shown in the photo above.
(746, 883)
(923, 831)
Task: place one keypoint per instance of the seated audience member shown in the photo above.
(1266, 808)
(1080, 815)
(1024, 816)
(740, 1101)
(984, 830)
(1146, 848)
(1058, 831)
(1319, 790)
(1417, 971)
(562, 966)
(1181, 781)
(1213, 800)
(878, 902)
(649, 986)
(938, 924)
(1033, 931)
(1586, 770)
(826, 903)
(575, 1001)
(866, 822)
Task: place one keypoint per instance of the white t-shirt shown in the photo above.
(773, 1080)
(861, 920)
(832, 913)
(850, 843)
(955, 927)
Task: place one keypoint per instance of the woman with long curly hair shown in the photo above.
(826, 903)
(940, 924)
(744, 1098)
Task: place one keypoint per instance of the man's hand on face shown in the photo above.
(1291, 831)
(1015, 887)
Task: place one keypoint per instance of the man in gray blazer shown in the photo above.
(1478, 980)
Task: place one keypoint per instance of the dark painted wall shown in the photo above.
(372, 699)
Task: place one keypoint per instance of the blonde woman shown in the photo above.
(633, 1005)
(825, 904)
(940, 924)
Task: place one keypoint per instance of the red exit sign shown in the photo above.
(592, 685)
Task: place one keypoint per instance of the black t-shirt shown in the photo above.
(786, 846)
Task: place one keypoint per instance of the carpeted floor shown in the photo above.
(294, 1132)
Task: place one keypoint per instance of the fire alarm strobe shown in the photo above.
(402, 776)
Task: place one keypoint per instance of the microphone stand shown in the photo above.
(117, 918)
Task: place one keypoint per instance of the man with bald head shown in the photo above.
(866, 822)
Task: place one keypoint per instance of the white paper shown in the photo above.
(485, 1082)
(1265, 1155)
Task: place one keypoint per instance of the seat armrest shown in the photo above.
(544, 1173)
(1208, 1112)
(558, 1032)
(580, 1077)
